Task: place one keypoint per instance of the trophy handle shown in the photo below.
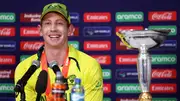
(121, 36)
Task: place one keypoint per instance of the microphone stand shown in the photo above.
(23, 96)
(19, 88)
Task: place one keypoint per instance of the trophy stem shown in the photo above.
(144, 73)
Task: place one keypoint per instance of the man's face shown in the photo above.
(54, 29)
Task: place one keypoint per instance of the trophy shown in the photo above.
(143, 40)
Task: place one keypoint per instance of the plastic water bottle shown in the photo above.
(77, 91)
(59, 88)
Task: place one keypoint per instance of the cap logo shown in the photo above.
(54, 5)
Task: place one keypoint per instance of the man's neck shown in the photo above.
(56, 54)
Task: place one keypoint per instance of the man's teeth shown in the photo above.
(55, 36)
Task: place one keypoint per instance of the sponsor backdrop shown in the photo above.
(96, 22)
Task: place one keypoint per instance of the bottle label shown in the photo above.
(77, 97)
(55, 91)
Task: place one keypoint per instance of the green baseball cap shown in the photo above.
(56, 7)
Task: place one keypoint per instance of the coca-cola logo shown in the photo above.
(166, 73)
(28, 46)
(164, 16)
(7, 32)
(103, 59)
(163, 73)
(34, 46)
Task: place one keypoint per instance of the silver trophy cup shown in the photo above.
(143, 40)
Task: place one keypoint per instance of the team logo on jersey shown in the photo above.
(71, 78)
(98, 84)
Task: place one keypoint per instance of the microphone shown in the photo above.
(54, 65)
(19, 87)
(41, 84)
(22, 82)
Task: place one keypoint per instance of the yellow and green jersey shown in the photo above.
(89, 71)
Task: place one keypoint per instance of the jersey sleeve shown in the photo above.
(19, 72)
(93, 83)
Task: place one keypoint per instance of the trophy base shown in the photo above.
(145, 96)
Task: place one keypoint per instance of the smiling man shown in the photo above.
(55, 26)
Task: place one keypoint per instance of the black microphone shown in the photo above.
(22, 82)
(54, 66)
(19, 87)
(41, 84)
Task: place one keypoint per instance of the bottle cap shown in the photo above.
(78, 81)
(60, 77)
(58, 74)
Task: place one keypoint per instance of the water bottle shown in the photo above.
(77, 91)
(59, 88)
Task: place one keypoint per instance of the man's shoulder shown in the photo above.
(27, 61)
(82, 56)
(23, 66)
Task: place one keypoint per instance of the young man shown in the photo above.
(55, 27)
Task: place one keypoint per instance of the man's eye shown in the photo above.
(47, 23)
(59, 23)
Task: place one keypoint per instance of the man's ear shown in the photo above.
(39, 30)
(71, 30)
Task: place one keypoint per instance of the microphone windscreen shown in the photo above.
(53, 63)
(41, 83)
(36, 63)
